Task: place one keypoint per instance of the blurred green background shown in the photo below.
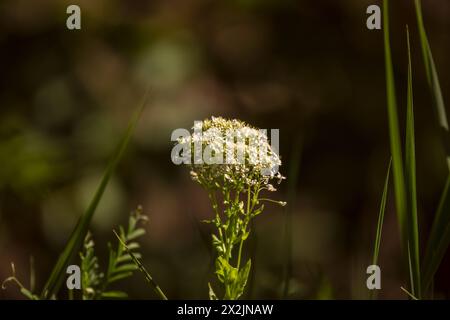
(310, 68)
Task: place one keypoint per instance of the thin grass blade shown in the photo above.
(433, 81)
(439, 238)
(394, 133)
(410, 176)
(76, 238)
(376, 249)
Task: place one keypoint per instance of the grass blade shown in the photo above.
(439, 239)
(394, 133)
(410, 175)
(407, 222)
(376, 249)
(141, 267)
(433, 80)
(76, 238)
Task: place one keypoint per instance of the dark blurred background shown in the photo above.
(310, 68)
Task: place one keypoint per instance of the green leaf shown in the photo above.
(394, 133)
(242, 278)
(376, 250)
(135, 234)
(439, 239)
(383, 201)
(215, 240)
(221, 266)
(119, 276)
(127, 257)
(433, 80)
(76, 238)
(124, 268)
(404, 198)
(212, 295)
(133, 246)
(141, 267)
(410, 175)
(132, 224)
(91, 276)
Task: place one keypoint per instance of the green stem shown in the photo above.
(247, 219)
(239, 254)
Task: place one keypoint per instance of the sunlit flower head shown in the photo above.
(232, 152)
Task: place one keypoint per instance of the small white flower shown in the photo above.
(248, 159)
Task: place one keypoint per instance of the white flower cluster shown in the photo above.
(233, 153)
